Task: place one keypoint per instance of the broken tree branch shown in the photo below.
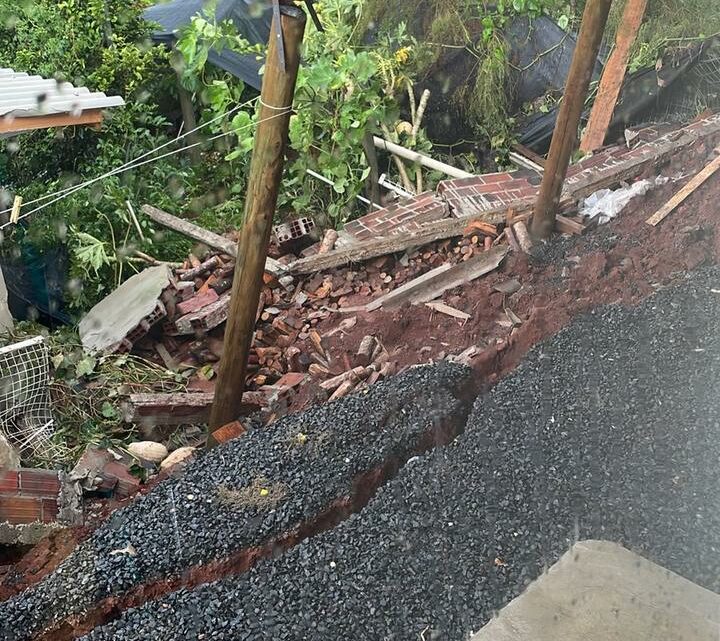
(211, 239)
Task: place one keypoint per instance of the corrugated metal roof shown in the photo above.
(22, 96)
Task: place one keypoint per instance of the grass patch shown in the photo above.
(261, 494)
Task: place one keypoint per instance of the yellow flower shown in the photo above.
(402, 55)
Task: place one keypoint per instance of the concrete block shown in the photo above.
(122, 311)
(600, 591)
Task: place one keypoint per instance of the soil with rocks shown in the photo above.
(250, 498)
(609, 430)
(622, 261)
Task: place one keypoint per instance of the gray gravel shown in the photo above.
(244, 493)
(609, 430)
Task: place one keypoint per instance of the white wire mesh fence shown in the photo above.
(25, 415)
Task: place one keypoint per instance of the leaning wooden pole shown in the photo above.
(266, 168)
(613, 76)
(566, 129)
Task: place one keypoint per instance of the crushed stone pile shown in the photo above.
(245, 493)
(610, 430)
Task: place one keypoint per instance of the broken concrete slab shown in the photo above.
(599, 591)
(114, 318)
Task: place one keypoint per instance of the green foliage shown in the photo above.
(668, 23)
(342, 93)
(477, 27)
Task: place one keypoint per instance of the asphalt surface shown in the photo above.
(244, 494)
(610, 430)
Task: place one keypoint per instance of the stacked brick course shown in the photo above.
(478, 194)
(29, 496)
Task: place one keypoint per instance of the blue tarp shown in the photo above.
(252, 19)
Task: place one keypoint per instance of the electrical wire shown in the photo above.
(128, 166)
(130, 163)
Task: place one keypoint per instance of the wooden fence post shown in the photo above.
(278, 89)
(566, 129)
(613, 76)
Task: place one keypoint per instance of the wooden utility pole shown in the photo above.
(266, 168)
(613, 76)
(566, 129)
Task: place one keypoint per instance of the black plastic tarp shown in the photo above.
(252, 18)
(540, 57)
(641, 97)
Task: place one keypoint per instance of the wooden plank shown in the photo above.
(191, 274)
(180, 408)
(448, 311)
(27, 123)
(211, 239)
(437, 230)
(435, 283)
(684, 193)
(566, 225)
(529, 153)
(613, 76)
(402, 293)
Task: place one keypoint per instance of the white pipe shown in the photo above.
(421, 159)
(327, 181)
(390, 186)
(525, 162)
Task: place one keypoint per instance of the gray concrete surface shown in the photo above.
(117, 314)
(599, 591)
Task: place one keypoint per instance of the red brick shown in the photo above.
(497, 178)
(9, 482)
(197, 302)
(49, 510)
(127, 484)
(20, 509)
(39, 483)
(229, 432)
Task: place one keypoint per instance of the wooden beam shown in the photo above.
(211, 239)
(10, 125)
(566, 129)
(268, 158)
(181, 407)
(436, 282)
(529, 153)
(684, 193)
(613, 76)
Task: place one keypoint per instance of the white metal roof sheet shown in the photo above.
(23, 95)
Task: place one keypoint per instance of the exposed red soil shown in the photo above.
(40, 561)
(621, 262)
(44, 557)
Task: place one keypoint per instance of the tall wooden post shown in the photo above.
(266, 168)
(566, 129)
(613, 76)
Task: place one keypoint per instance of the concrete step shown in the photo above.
(600, 591)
